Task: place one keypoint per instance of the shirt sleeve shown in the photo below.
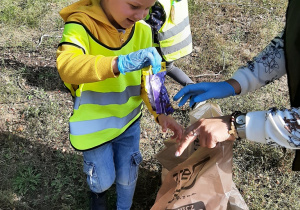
(266, 67)
(275, 127)
(74, 62)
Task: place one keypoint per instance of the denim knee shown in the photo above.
(128, 179)
(96, 183)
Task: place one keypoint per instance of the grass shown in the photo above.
(39, 168)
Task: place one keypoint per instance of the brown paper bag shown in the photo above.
(167, 155)
(200, 179)
(203, 181)
(236, 200)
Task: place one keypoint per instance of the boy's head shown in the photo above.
(124, 13)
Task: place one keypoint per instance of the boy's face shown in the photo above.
(124, 13)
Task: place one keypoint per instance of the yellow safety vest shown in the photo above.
(103, 110)
(175, 38)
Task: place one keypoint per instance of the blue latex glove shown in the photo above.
(203, 91)
(140, 59)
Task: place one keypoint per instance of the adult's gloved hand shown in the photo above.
(140, 59)
(203, 91)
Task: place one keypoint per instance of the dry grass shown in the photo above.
(39, 168)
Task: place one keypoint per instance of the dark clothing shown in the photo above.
(176, 73)
(292, 54)
(292, 49)
(156, 19)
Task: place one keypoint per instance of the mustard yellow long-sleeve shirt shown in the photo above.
(74, 66)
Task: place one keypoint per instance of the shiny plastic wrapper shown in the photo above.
(156, 90)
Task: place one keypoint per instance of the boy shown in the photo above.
(103, 48)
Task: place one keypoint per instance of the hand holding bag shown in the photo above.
(202, 178)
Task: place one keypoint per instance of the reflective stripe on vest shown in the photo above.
(90, 97)
(103, 110)
(92, 126)
(175, 39)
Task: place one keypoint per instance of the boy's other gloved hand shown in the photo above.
(140, 59)
(203, 91)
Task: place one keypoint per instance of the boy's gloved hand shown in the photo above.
(203, 91)
(140, 59)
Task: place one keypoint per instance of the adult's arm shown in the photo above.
(273, 127)
(266, 67)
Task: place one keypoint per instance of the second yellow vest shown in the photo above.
(175, 38)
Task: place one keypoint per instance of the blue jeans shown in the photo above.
(116, 161)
